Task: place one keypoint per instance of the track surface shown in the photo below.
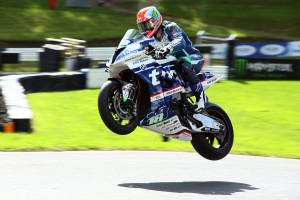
(101, 175)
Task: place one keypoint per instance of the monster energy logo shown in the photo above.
(240, 66)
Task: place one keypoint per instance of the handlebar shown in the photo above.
(149, 50)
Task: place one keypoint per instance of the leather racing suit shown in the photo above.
(190, 60)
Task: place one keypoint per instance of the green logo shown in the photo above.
(154, 14)
(240, 67)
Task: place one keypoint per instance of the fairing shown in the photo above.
(160, 117)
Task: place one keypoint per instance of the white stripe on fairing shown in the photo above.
(157, 97)
(166, 93)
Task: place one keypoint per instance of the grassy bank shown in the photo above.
(34, 21)
(264, 115)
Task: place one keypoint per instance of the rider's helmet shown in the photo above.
(148, 21)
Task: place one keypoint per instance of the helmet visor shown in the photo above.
(144, 27)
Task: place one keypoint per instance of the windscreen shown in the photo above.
(130, 36)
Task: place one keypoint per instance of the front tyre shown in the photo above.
(116, 114)
(209, 145)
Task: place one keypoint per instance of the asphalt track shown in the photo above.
(130, 175)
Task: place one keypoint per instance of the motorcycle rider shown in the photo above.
(171, 39)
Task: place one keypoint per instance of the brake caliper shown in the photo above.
(127, 91)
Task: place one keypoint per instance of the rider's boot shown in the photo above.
(197, 89)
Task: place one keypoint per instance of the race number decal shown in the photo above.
(155, 119)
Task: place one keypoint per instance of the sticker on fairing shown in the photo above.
(161, 95)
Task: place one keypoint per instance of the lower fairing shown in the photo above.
(171, 128)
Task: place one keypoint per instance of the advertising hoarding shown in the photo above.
(263, 68)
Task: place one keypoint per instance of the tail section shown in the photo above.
(210, 80)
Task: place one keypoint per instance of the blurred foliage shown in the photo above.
(267, 18)
(32, 20)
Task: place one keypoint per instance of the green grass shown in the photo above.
(38, 22)
(265, 117)
(33, 66)
(268, 17)
(32, 20)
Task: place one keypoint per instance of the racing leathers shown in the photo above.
(190, 61)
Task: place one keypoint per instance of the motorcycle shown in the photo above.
(148, 92)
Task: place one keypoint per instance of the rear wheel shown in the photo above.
(116, 114)
(208, 144)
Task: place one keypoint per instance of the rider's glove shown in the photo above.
(161, 53)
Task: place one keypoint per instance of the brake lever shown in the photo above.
(150, 51)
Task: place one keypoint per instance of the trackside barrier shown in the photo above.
(95, 77)
(72, 50)
(14, 106)
(204, 39)
(267, 68)
(17, 107)
(94, 53)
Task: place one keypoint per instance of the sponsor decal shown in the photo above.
(211, 80)
(173, 91)
(266, 49)
(157, 96)
(155, 119)
(245, 50)
(263, 68)
(154, 78)
(140, 61)
(240, 66)
(126, 52)
(294, 48)
(269, 67)
(272, 49)
(155, 14)
(132, 58)
(161, 95)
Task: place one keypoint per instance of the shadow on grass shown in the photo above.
(241, 81)
(208, 188)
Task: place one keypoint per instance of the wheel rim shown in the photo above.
(119, 111)
(213, 140)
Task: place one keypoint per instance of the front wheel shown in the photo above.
(208, 144)
(116, 114)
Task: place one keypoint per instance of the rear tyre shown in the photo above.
(207, 144)
(116, 114)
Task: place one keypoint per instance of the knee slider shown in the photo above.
(187, 68)
(178, 64)
(183, 66)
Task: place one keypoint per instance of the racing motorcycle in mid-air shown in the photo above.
(148, 92)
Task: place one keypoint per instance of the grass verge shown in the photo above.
(264, 116)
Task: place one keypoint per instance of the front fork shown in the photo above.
(129, 94)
